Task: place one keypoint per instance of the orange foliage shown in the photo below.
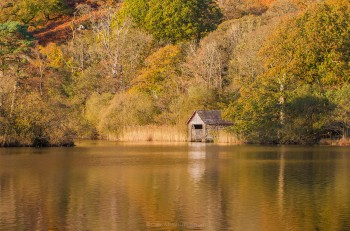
(160, 68)
(259, 2)
(267, 2)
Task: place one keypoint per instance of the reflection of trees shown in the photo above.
(220, 187)
(281, 180)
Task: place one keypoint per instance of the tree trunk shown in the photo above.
(13, 100)
(41, 80)
(282, 101)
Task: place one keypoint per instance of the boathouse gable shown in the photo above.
(195, 120)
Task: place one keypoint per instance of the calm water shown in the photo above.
(110, 186)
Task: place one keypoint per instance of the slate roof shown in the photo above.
(212, 117)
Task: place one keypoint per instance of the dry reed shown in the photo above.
(165, 133)
(333, 142)
(151, 133)
(225, 137)
(344, 142)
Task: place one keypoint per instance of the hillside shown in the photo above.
(61, 28)
(279, 70)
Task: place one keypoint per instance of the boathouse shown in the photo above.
(204, 125)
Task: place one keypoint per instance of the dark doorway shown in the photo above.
(198, 126)
(197, 132)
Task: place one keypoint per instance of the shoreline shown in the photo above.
(343, 142)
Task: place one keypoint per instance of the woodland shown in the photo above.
(89, 69)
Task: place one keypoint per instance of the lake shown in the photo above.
(153, 186)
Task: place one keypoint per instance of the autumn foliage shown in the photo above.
(92, 69)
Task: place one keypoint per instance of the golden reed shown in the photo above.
(165, 133)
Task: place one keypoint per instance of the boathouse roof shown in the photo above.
(210, 117)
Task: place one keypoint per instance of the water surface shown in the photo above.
(152, 186)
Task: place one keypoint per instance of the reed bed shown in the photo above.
(225, 137)
(165, 133)
(335, 142)
(344, 142)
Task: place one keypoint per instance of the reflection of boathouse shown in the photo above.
(204, 126)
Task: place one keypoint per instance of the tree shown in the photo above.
(160, 78)
(313, 48)
(238, 8)
(207, 65)
(339, 122)
(245, 62)
(307, 113)
(40, 122)
(104, 59)
(136, 9)
(33, 11)
(256, 113)
(174, 21)
(14, 39)
(29, 115)
(305, 57)
(126, 109)
(15, 43)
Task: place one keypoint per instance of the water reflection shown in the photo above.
(175, 187)
(196, 155)
(281, 180)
